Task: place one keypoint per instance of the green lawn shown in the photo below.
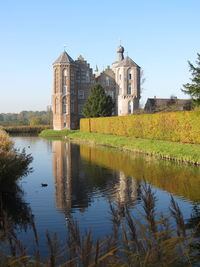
(164, 149)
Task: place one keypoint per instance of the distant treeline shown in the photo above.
(26, 118)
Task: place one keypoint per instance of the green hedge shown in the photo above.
(181, 126)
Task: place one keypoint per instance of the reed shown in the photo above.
(26, 129)
(5, 143)
(156, 241)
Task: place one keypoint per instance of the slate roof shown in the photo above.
(127, 62)
(63, 58)
(163, 102)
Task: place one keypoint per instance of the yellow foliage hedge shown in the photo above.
(181, 126)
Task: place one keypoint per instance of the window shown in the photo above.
(129, 75)
(64, 81)
(111, 93)
(129, 107)
(107, 81)
(119, 75)
(64, 90)
(64, 106)
(87, 76)
(80, 94)
(56, 81)
(80, 107)
(129, 89)
(72, 75)
(56, 105)
(72, 106)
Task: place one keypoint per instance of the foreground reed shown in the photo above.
(153, 240)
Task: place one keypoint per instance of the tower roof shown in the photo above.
(63, 58)
(120, 49)
(127, 62)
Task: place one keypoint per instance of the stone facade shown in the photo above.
(73, 81)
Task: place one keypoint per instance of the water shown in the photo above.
(82, 179)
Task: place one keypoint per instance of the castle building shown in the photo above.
(73, 81)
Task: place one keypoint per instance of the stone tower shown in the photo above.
(127, 77)
(64, 99)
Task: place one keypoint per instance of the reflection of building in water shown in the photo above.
(78, 178)
(126, 189)
(71, 187)
(62, 173)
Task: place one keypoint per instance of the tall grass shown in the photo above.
(156, 241)
(26, 129)
(13, 163)
(5, 143)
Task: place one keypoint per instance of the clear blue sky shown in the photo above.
(160, 36)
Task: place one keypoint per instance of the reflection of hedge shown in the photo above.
(178, 179)
(174, 126)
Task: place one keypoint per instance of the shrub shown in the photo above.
(5, 142)
(174, 126)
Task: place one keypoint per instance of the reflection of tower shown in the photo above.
(62, 174)
(70, 180)
(127, 189)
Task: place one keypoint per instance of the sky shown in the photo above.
(160, 36)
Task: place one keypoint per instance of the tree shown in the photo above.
(98, 104)
(193, 89)
(36, 121)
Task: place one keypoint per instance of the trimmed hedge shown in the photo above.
(181, 126)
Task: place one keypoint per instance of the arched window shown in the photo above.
(129, 74)
(64, 81)
(56, 105)
(56, 81)
(129, 89)
(64, 106)
(129, 107)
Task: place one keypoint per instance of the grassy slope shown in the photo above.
(170, 150)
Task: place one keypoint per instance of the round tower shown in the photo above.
(64, 98)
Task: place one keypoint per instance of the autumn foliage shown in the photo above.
(181, 126)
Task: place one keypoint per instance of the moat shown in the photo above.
(81, 181)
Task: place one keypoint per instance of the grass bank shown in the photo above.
(26, 129)
(188, 153)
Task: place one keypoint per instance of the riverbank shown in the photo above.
(25, 129)
(187, 153)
